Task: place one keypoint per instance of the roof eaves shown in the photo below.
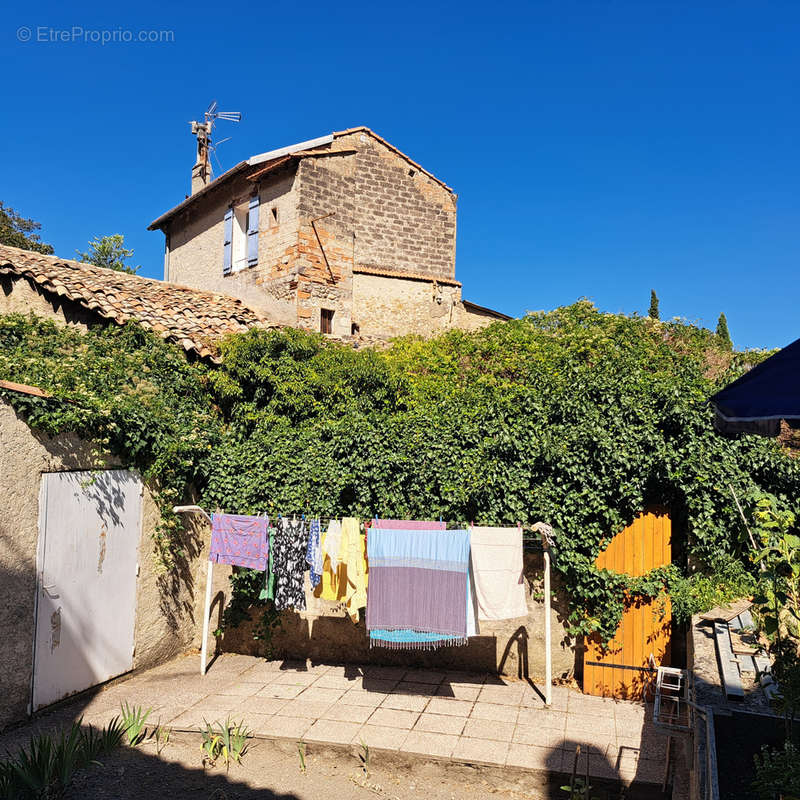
(488, 311)
(167, 215)
(24, 388)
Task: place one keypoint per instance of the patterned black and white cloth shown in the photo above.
(289, 563)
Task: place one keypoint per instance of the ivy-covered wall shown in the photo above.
(574, 417)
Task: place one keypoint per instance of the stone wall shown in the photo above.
(389, 306)
(165, 621)
(21, 296)
(508, 647)
(404, 219)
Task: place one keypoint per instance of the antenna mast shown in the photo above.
(201, 172)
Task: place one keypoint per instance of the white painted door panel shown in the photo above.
(89, 526)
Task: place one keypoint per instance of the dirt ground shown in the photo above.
(272, 772)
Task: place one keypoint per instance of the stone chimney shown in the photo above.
(201, 171)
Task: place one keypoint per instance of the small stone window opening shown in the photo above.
(273, 215)
(411, 173)
(326, 320)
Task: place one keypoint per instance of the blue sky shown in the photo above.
(599, 149)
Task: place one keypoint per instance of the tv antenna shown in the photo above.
(201, 172)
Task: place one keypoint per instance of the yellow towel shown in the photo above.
(347, 584)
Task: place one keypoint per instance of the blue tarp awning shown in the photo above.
(762, 397)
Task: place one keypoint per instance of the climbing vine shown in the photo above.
(575, 417)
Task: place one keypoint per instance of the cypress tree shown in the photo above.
(722, 331)
(653, 312)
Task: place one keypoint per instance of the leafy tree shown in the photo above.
(653, 313)
(109, 252)
(722, 331)
(18, 231)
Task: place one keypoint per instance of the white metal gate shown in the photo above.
(89, 528)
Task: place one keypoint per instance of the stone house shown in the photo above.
(343, 234)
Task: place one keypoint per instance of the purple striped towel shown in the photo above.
(418, 582)
(408, 525)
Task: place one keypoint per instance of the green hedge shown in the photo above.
(574, 417)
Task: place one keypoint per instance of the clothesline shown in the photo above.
(426, 581)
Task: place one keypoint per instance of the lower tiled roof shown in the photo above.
(194, 319)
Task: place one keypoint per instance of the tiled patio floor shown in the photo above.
(476, 719)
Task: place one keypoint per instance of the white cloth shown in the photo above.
(497, 571)
(473, 629)
(333, 542)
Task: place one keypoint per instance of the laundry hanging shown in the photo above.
(417, 594)
(408, 525)
(497, 568)
(239, 540)
(346, 583)
(289, 563)
(314, 552)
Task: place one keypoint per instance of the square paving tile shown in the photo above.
(289, 727)
(544, 718)
(242, 689)
(265, 705)
(480, 751)
(536, 735)
(389, 718)
(327, 730)
(531, 757)
(494, 711)
(386, 673)
(458, 691)
(342, 713)
(357, 697)
(489, 729)
(381, 737)
(503, 695)
(453, 708)
(439, 723)
(335, 681)
(292, 678)
(408, 687)
(405, 702)
(280, 690)
(430, 744)
(378, 685)
(319, 695)
(423, 676)
(300, 708)
(465, 678)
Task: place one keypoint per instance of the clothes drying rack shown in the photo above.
(543, 530)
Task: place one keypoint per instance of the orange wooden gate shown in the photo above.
(619, 668)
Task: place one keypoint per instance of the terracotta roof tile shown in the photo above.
(193, 318)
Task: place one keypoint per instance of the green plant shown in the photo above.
(653, 310)
(777, 772)
(363, 757)
(228, 741)
(573, 416)
(301, 752)
(133, 723)
(161, 735)
(48, 764)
